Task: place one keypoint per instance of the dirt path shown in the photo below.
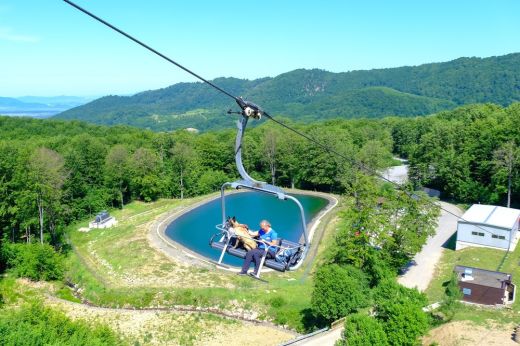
(167, 327)
(420, 274)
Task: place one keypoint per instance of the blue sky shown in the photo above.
(49, 48)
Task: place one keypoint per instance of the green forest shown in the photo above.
(471, 154)
(311, 95)
(56, 172)
(69, 170)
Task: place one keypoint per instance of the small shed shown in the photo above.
(485, 286)
(488, 226)
(103, 220)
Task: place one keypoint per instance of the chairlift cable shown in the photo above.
(151, 49)
(243, 104)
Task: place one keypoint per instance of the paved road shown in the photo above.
(397, 174)
(420, 274)
(323, 339)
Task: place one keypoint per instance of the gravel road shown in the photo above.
(420, 274)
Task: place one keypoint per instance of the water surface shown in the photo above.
(194, 229)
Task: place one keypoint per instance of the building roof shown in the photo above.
(492, 215)
(482, 277)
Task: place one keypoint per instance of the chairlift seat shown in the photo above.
(241, 253)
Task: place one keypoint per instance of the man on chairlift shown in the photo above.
(268, 240)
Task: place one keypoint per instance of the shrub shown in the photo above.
(338, 291)
(37, 325)
(451, 302)
(3, 256)
(362, 330)
(389, 289)
(399, 309)
(452, 288)
(35, 261)
(277, 302)
(403, 322)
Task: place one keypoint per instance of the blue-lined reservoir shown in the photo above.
(194, 228)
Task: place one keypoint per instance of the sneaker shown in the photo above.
(252, 274)
(241, 274)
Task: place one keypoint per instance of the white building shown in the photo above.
(488, 226)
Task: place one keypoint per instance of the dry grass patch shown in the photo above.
(174, 328)
(464, 333)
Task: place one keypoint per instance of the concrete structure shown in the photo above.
(488, 226)
(485, 286)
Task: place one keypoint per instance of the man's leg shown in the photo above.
(257, 256)
(247, 261)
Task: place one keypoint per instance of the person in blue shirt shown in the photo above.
(268, 241)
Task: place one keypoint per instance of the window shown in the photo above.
(495, 236)
(501, 237)
(477, 233)
(466, 291)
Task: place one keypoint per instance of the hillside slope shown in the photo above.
(317, 94)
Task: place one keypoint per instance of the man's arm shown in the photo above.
(274, 239)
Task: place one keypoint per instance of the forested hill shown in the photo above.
(317, 94)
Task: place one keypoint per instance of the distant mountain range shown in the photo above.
(308, 95)
(39, 107)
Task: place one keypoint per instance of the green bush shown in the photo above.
(453, 294)
(35, 261)
(362, 330)
(339, 291)
(399, 310)
(403, 322)
(37, 325)
(277, 302)
(3, 256)
(389, 289)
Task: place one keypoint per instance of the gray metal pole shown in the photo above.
(223, 202)
(304, 225)
(238, 151)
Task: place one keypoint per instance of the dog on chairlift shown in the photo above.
(242, 233)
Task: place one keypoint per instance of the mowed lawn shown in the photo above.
(483, 258)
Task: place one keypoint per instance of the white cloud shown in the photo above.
(7, 34)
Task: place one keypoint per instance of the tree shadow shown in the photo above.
(312, 322)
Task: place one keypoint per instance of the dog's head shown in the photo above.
(230, 222)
